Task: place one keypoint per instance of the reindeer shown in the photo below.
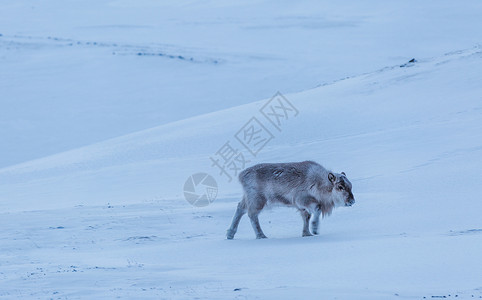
(307, 186)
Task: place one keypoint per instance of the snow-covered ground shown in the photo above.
(110, 220)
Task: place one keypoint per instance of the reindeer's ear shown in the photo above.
(343, 173)
(332, 177)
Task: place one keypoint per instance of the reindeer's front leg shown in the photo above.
(306, 222)
(315, 220)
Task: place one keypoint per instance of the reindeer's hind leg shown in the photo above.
(253, 216)
(240, 211)
(256, 204)
(306, 222)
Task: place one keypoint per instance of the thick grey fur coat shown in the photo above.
(307, 186)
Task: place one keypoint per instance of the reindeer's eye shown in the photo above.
(341, 188)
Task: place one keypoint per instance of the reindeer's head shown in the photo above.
(341, 192)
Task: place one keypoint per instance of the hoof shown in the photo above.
(261, 236)
(230, 235)
(306, 234)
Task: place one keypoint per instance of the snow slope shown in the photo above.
(71, 73)
(109, 220)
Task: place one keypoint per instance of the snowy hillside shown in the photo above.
(110, 220)
(73, 73)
